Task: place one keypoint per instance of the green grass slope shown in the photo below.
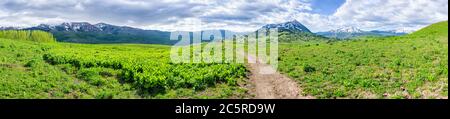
(30, 69)
(410, 66)
(439, 29)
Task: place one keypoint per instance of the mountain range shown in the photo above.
(84, 32)
(8, 28)
(350, 32)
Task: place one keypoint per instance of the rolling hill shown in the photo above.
(409, 66)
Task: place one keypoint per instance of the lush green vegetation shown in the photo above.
(411, 66)
(39, 36)
(148, 66)
(62, 70)
(302, 37)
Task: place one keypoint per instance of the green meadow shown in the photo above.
(34, 65)
(409, 66)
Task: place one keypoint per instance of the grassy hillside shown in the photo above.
(31, 69)
(439, 29)
(411, 66)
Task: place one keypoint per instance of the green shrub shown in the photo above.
(147, 70)
(308, 68)
(31, 63)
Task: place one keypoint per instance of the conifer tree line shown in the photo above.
(30, 35)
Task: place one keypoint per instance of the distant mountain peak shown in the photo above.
(9, 28)
(294, 22)
(348, 29)
(100, 25)
(43, 25)
(103, 26)
(291, 26)
(84, 23)
(402, 31)
(351, 31)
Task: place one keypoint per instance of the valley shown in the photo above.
(408, 66)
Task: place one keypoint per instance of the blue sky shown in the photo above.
(236, 15)
(326, 7)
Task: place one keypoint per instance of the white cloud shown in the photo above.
(391, 14)
(248, 15)
(236, 15)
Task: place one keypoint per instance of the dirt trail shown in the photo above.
(273, 85)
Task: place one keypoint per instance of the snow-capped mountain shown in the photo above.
(84, 32)
(402, 31)
(9, 28)
(82, 27)
(348, 29)
(291, 26)
(388, 33)
(349, 32)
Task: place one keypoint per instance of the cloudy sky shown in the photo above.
(236, 15)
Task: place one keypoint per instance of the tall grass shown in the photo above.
(29, 35)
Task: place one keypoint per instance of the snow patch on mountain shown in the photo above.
(347, 29)
(291, 26)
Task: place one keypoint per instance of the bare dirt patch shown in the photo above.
(273, 85)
